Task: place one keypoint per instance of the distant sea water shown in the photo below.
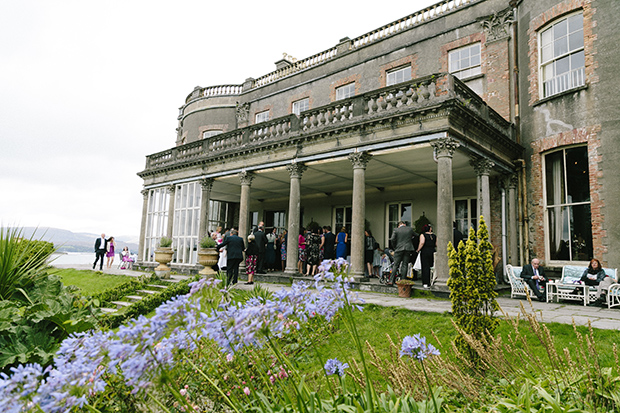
(73, 258)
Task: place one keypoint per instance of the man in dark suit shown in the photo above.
(402, 242)
(101, 245)
(534, 276)
(329, 242)
(261, 242)
(234, 254)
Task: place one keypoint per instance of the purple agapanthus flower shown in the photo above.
(415, 346)
(334, 366)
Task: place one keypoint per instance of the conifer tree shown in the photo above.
(472, 289)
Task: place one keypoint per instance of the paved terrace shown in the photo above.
(564, 313)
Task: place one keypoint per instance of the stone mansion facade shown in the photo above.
(499, 108)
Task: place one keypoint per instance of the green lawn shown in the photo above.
(89, 282)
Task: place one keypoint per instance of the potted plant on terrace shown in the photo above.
(207, 255)
(163, 255)
(404, 288)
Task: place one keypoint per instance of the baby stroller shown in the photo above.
(387, 264)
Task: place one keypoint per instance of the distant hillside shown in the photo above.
(76, 242)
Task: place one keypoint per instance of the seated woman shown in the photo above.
(127, 260)
(595, 276)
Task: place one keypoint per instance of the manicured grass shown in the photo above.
(89, 282)
(375, 323)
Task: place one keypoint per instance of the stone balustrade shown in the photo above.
(406, 99)
(295, 67)
(429, 13)
(419, 17)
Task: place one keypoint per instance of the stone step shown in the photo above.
(161, 287)
(121, 304)
(134, 298)
(147, 292)
(108, 310)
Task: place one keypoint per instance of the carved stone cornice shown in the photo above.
(296, 169)
(359, 159)
(171, 188)
(497, 25)
(482, 166)
(207, 184)
(246, 177)
(513, 181)
(145, 193)
(445, 147)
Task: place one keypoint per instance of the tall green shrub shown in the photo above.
(472, 289)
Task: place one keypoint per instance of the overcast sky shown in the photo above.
(89, 88)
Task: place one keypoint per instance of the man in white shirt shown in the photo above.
(100, 250)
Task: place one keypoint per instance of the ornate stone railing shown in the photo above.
(422, 16)
(295, 67)
(404, 99)
(429, 13)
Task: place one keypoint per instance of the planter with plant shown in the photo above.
(207, 255)
(163, 255)
(404, 288)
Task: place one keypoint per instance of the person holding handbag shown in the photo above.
(426, 250)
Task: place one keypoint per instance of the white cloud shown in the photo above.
(88, 89)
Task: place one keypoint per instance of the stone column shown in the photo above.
(171, 190)
(295, 171)
(207, 185)
(513, 181)
(145, 208)
(246, 179)
(359, 160)
(483, 167)
(444, 149)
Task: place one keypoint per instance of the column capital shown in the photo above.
(296, 169)
(482, 166)
(497, 25)
(145, 193)
(206, 184)
(513, 181)
(171, 188)
(246, 177)
(360, 159)
(445, 147)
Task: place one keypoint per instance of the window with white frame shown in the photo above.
(219, 215)
(464, 62)
(345, 91)
(276, 219)
(567, 204)
(399, 75)
(156, 221)
(561, 55)
(186, 222)
(301, 105)
(261, 117)
(399, 211)
(209, 133)
(466, 215)
(343, 218)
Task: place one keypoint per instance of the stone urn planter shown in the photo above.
(207, 257)
(163, 255)
(404, 288)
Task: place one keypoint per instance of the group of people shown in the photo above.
(261, 253)
(410, 246)
(105, 247)
(594, 276)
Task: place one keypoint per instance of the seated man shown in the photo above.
(534, 276)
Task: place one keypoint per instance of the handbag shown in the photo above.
(417, 266)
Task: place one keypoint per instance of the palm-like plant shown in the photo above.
(22, 261)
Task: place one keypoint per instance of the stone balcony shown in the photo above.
(433, 103)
